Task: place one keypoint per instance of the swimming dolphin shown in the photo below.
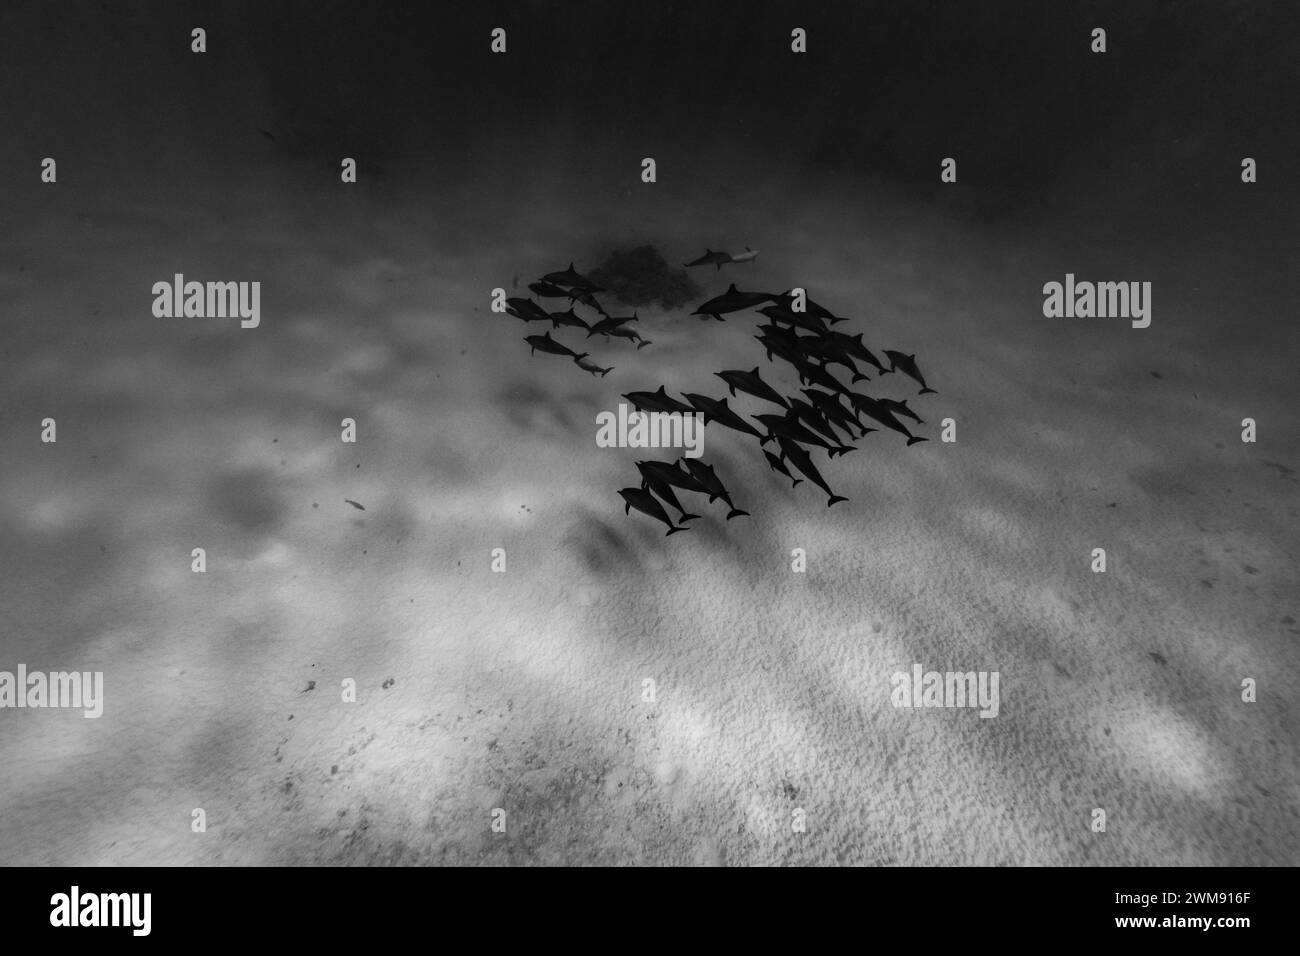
(830, 406)
(548, 290)
(644, 502)
(671, 474)
(809, 323)
(751, 383)
(852, 345)
(803, 461)
(819, 376)
(779, 466)
(587, 299)
(749, 255)
(786, 299)
(881, 413)
(733, 300)
(710, 257)
(816, 420)
(663, 488)
(526, 309)
(544, 343)
(568, 317)
(784, 347)
(609, 323)
(830, 354)
(593, 368)
(906, 364)
(572, 280)
(706, 476)
(716, 410)
(657, 402)
(621, 332)
(900, 408)
(789, 426)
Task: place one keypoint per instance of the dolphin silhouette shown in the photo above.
(663, 488)
(592, 367)
(716, 410)
(803, 461)
(751, 383)
(906, 364)
(733, 300)
(544, 343)
(658, 401)
(644, 502)
(709, 478)
(710, 257)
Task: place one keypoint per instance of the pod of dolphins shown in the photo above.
(829, 415)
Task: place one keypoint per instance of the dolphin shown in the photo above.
(803, 461)
(816, 420)
(830, 406)
(809, 323)
(671, 474)
(663, 488)
(587, 299)
(571, 278)
(900, 408)
(906, 364)
(609, 323)
(657, 402)
(787, 426)
(544, 343)
(593, 368)
(733, 300)
(568, 317)
(548, 290)
(751, 383)
(852, 345)
(716, 410)
(830, 355)
(881, 413)
(779, 466)
(784, 347)
(644, 502)
(819, 376)
(706, 476)
(526, 309)
(786, 299)
(621, 332)
(710, 257)
(749, 255)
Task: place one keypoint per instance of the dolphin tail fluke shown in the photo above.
(606, 371)
(672, 531)
(736, 513)
(914, 439)
(797, 482)
(927, 391)
(643, 343)
(834, 499)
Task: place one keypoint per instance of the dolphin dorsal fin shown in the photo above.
(755, 372)
(571, 265)
(723, 403)
(662, 392)
(732, 288)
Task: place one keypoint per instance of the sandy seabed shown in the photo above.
(524, 690)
